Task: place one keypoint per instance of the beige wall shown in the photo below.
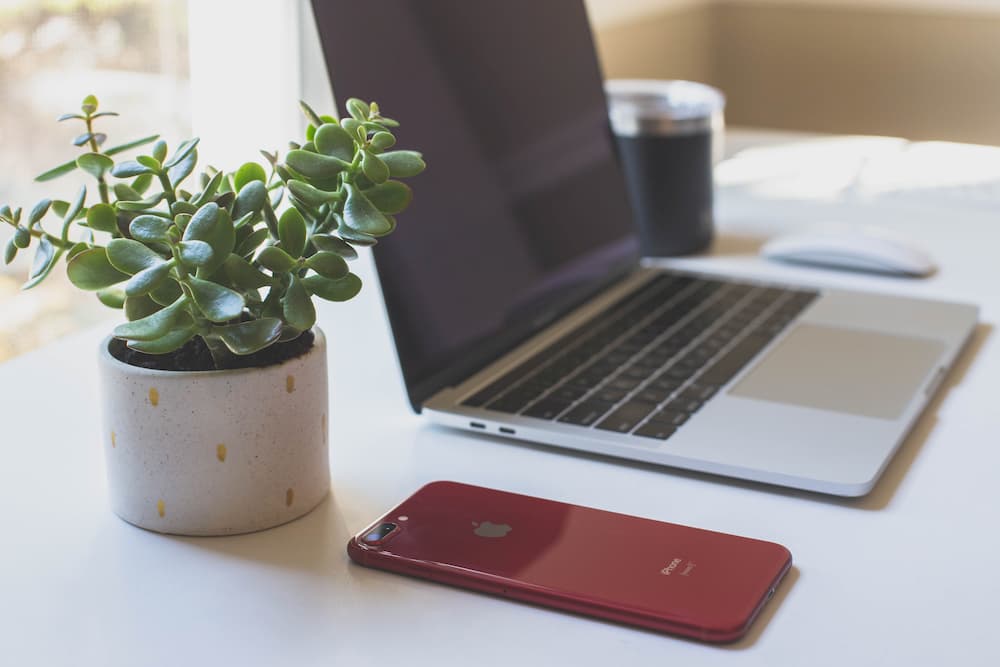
(891, 70)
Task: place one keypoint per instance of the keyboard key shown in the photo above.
(586, 413)
(623, 383)
(670, 417)
(625, 418)
(568, 393)
(654, 395)
(656, 430)
(701, 392)
(547, 408)
(733, 361)
(681, 404)
(608, 395)
(511, 404)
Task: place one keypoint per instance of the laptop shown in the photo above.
(518, 303)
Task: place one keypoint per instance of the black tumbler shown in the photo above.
(668, 135)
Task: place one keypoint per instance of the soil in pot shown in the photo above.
(194, 355)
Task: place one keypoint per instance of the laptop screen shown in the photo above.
(522, 211)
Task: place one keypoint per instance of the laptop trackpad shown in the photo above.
(845, 370)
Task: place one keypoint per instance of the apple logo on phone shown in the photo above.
(490, 529)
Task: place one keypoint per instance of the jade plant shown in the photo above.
(234, 259)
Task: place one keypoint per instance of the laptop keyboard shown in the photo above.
(649, 362)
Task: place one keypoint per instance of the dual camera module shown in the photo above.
(379, 533)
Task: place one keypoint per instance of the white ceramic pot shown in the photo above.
(216, 452)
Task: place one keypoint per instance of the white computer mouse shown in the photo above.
(852, 248)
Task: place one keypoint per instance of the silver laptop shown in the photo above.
(517, 301)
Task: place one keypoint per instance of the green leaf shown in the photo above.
(138, 307)
(157, 324)
(89, 104)
(132, 144)
(334, 141)
(76, 250)
(104, 113)
(112, 297)
(218, 303)
(292, 232)
(39, 211)
(166, 293)
(160, 151)
(310, 115)
(333, 244)
(380, 141)
(310, 195)
(22, 237)
(361, 215)
(210, 189)
(249, 337)
(201, 224)
(70, 116)
(182, 152)
(297, 307)
(374, 168)
(150, 162)
(194, 253)
(214, 226)
(10, 251)
(131, 257)
(355, 128)
(91, 270)
(125, 192)
(148, 279)
(141, 205)
(276, 259)
(141, 184)
(328, 264)
(243, 275)
(74, 210)
(146, 228)
(174, 340)
(102, 217)
(390, 197)
(248, 172)
(56, 172)
(356, 238)
(129, 169)
(250, 244)
(182, 169)
(403, 163)
(95, 164)
(315, 165)
(251, 198)
(45, 258)
(333, 290)
(357, 109)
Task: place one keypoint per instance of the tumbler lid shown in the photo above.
(655, 106)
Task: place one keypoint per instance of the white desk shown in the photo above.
(906, 576)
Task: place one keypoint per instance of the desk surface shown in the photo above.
(906, 576)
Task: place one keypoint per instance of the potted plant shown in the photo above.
(214, 391)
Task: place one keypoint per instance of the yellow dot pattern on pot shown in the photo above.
(220, 452)
(113, 443)
(161, 508)
(154, 397)
(289, 497)
(290, 383)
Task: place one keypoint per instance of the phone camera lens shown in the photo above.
(378, 534)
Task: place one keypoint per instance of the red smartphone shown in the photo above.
(686, 581)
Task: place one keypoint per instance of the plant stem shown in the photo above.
(39, 233)
(168, 190)
(102, 185)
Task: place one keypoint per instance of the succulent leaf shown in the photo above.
(247, 173)
(297, 307)
(328, 264)
(218, 303)
(334, 141)
(334, 244)
(102, 218)
(403, 163)
(130, 256)
(91, 270)
(168, 343)
(145, 228)
(361, 215)
(315, 165)
(292, 232)
(95, 164)
(390, 197)
(333, 290)
(275, 259)
(249, 337)
(148, 279)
